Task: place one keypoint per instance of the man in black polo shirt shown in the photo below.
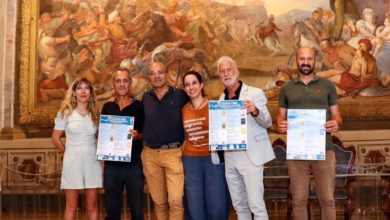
(118, 175)
(163, 136)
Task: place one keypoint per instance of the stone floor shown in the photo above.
(52, 209)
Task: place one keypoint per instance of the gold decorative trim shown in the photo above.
(30, 114)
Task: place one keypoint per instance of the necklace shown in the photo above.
(82, 113)
(199, 106)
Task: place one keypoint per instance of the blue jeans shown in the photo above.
(117, 177)
(205, 187)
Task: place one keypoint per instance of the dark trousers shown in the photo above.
(117, 177)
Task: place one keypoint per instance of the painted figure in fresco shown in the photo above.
(179, 60)
(95, 39)
(67, 27)
(177, 22)
(382, 35)
(267, 34)
(342, 8)
(155, 29)
(363, 72)
(118, 36)
(315, 24)
(349, 29)
(309, 34)
(190, 35)
(44, 20)
(52, 64)
(336, 56)
(383, 55)
(250, 33)
(281, 75)
(203, 31)
(365, 27)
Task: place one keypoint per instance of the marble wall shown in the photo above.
(8, 80)
(9, 77)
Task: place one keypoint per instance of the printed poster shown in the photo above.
(227, 125)
(306, 135)
(114, 139)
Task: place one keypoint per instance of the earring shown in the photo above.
(74, 99)
(90, 99)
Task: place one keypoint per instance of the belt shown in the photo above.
(173, 145)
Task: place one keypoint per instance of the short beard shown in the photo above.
(306, 71)
(231, 82)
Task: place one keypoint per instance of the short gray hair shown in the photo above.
(120, 69)
(228, 59)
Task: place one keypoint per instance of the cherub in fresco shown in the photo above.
(382, 35)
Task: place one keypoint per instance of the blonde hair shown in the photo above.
(68, 104)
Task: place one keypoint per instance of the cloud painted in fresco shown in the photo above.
(277, 7)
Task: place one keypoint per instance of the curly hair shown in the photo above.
(68, 104)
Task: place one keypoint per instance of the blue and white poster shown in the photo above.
(114, 139)
(227, 125)
(306, 134)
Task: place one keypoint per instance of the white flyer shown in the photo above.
(227, 125)
(114, 139)
(306, 135)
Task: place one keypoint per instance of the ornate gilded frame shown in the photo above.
(31, 114)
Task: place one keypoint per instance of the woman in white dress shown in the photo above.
(77, 118)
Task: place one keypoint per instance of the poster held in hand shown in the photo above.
(114, 139)
(306, 135)
(227, 125)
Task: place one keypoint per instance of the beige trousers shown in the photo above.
(163, 170)
(324, 177)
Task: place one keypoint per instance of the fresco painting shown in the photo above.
(90, 38)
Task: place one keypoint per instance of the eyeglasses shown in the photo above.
(160, 72)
